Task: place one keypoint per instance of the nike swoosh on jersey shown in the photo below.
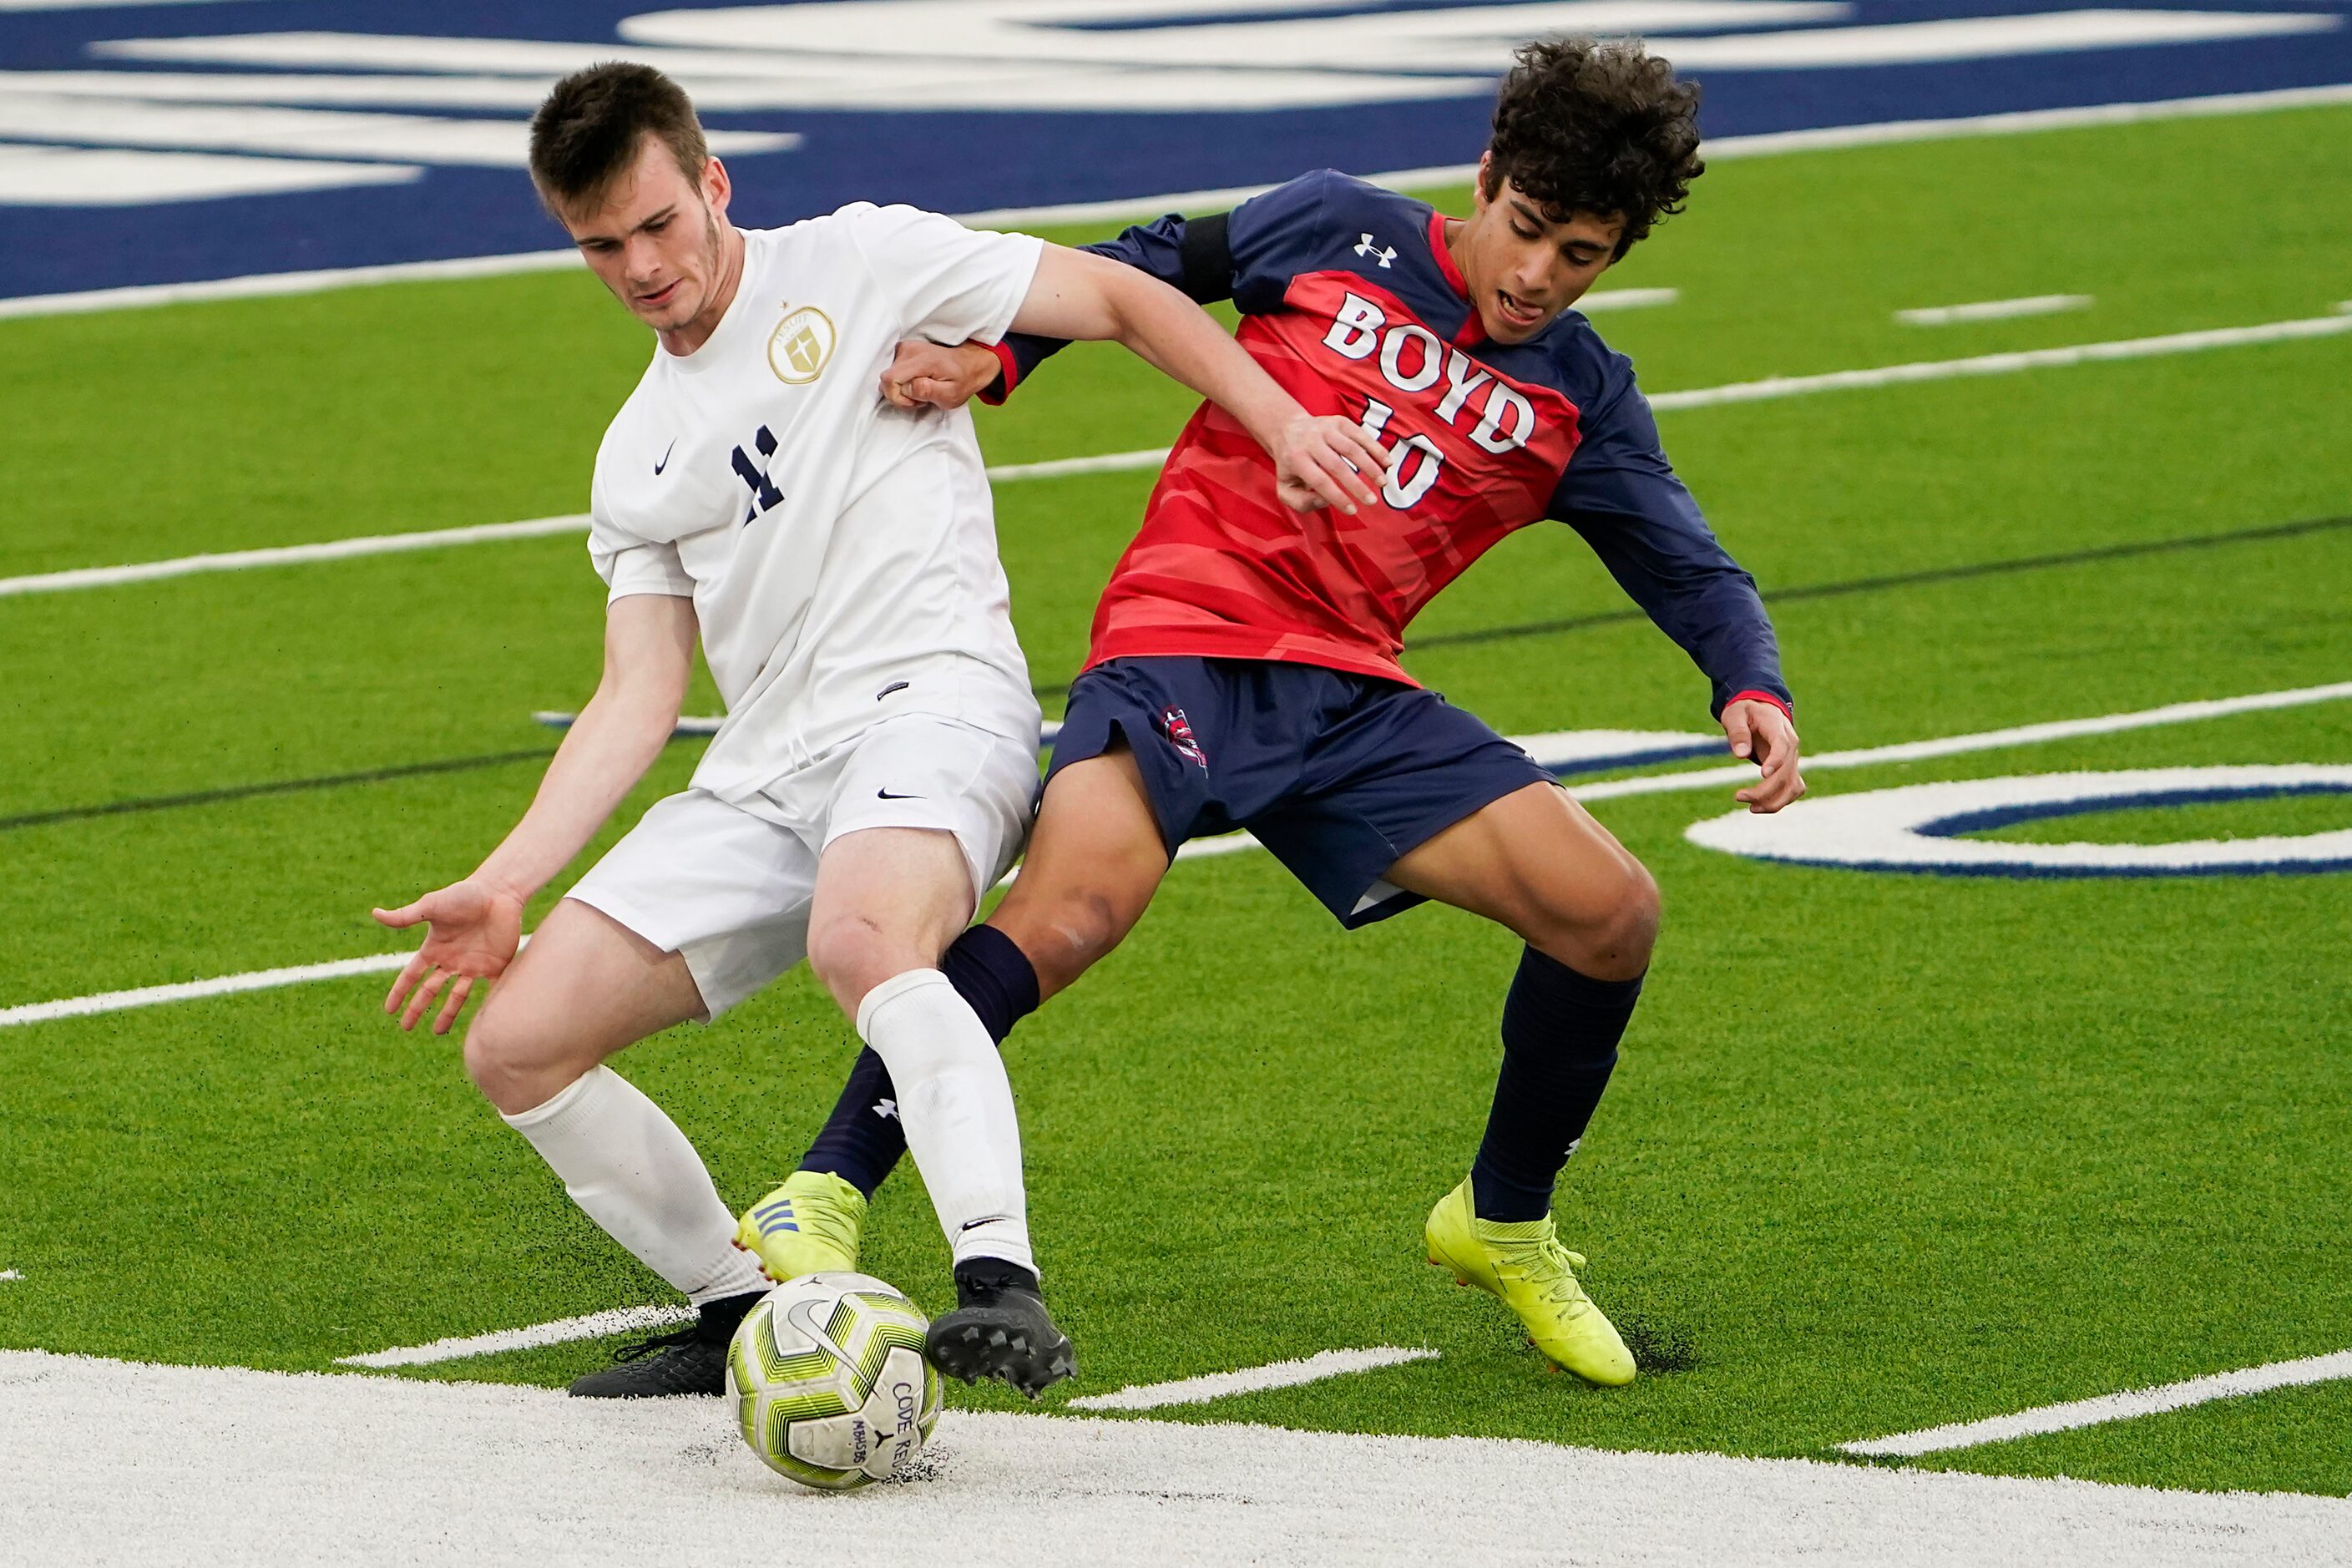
(886, 795)
(666, 452)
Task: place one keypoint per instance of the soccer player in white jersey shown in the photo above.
(877, 767)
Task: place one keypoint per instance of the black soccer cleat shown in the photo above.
(691, 1361)
(1000, 1328)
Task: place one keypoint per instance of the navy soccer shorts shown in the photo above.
(1337, 774)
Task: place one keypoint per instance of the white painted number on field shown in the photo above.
(1918, 827)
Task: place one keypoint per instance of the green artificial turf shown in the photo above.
(1885, 1151)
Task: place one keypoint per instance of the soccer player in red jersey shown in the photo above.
(1244, 674)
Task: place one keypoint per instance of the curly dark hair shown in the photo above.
(587, 133)
(1600, 128)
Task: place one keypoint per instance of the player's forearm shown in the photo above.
(1177, 338)
(608, 748)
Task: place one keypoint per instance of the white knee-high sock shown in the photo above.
(627, 1164)
(956, 1105)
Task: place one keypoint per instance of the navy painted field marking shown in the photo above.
(120, 108)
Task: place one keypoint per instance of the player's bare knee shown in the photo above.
(1605, 931)
(850, 954)
(500, 1061)
(1637, 912)
(1081, 927)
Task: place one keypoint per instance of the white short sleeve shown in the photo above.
(638, 568)
(949, 283)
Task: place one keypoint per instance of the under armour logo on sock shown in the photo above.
(886, 1108)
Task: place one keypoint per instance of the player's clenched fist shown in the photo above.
(1762, 733)
(936, 375)
(1327, 460)
(474, 934)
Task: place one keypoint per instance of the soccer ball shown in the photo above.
(829, 1381)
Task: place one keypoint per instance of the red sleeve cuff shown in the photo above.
(997, 391)
(1780, 703)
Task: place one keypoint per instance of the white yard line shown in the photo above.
(271, 1468)
(1251, 1380)
(1556, 750)
(1767, 390)
(195, 990)
(2034, 1423)
(270, 284)
(1780, 387)
(1626, 300)
(1106, 463)
(1769, 145)
(472, 534)
(11, 1274)
(1994, 310)
(592, 1326)
(289, 555)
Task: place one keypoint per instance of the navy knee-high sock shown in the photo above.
(1560, 1031)
(862, 1140)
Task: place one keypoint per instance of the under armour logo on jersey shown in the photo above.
(886, 1108)
(1369, 247)
(764, 494)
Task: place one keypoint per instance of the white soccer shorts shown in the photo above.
(727, 886)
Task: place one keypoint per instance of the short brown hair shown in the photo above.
(1599, 127)
(588, 131)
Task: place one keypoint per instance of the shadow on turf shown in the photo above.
(1659, 1345)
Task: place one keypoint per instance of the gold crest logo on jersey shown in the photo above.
(801, 345)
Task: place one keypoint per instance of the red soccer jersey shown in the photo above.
(1223, 569)
(1351, 302)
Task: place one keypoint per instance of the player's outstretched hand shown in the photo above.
(1327, 460)
(1762, 734)
(934, 375)
(474, 934)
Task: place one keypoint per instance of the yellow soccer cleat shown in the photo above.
(1525, 1264)
(808, 1225)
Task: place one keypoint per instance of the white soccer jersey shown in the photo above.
(841, 554)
